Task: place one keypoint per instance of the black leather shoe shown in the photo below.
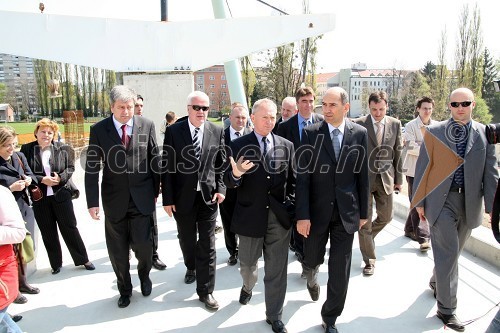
(245, 297)
(233, 259)
(210, 302)
(20, 299)
(313, 291)
(146, 287)
(369, 269)
(190, 276)
(27, 289)
(56, 270)
(451, 321)
(123, 301)
(277, 326)
(433, 288)
(16, 318)
(329, 328)
(158, 264)
(89, 266)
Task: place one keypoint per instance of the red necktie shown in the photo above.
(125, 138)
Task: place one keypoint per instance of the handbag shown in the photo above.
(26, 250)
(34, 191)
(68, 191)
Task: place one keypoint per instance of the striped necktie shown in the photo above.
(380, 132)
(196, 143)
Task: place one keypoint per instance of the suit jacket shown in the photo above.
(413, 140)
(389, 165)
(183, 170)
(262, 188)
(322, 180)
(278, 122)
(431, 185)
(127, 173)
(231, 193)
(11, 173)
(290, 129)
(62, 162)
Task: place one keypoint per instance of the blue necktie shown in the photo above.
(336, 142)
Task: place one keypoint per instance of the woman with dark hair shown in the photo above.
(16, 175)
(53, 165)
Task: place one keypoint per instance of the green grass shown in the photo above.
(216, 121)
(25, 128)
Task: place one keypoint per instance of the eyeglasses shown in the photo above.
(463, 104)
(199, 107)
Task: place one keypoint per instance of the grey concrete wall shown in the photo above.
(162, 92)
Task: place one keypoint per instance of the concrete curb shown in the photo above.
(481, 244)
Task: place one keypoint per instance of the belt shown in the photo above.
(457, 189)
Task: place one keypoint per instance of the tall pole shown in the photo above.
(164, 10)
(232, 68)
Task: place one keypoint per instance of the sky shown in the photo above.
(383, 34)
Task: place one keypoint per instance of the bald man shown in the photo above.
(450, 200)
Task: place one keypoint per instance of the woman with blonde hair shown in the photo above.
(53, 164)
(16, 175)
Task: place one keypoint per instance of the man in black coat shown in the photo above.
(192, 187)
(332, 199)
(238, 128)
(264, 180)
(292, 131)
(125, 144)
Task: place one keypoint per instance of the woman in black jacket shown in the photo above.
(16, 175)
(53, 165)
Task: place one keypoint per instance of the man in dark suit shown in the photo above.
(238, 118)
(456, 171)
(264, 180)
(288, 110)
(332, 199)
(157, 263)
(292, 131)
(385, 172)
(192, 186)
(125, 144)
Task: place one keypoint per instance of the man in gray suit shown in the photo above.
(456, 166)
(384, 165)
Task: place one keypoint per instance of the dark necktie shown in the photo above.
(196, 143)
(336, 142)
(264, 150)
(238, 134)
(125, 137)
(461, 140)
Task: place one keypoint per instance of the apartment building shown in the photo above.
(212, 81)
(18, 74)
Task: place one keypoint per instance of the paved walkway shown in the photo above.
(395, 299)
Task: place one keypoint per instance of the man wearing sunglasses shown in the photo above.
(192, 188)
(455, 168)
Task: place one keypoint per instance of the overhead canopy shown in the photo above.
(139, 46)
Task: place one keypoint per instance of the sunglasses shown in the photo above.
(463, 104)
(199, 107)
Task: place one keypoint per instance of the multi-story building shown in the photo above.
(18, 74)
(212, 81)
(322, 80)
(360, 82)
